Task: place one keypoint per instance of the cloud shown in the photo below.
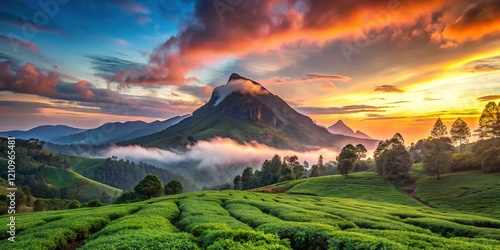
(30, 80)
(485, 67)
(107, 66)
(211, 35)
(16, 42)
(131, 7)
(312, 77)
(488, 98)
(239, 85)
(27, 79)
(388, 88)
(477, 19)
(215, 154)
(342, 110)
(21, 15)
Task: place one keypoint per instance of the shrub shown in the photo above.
(491, 160)
(301, 235)
(464, 162)
(95, 203)
(352, 241)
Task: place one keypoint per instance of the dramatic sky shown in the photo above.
(382, 66)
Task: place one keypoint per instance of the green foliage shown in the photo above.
(375, 215)
(489, 122)
(392, 160)
(439, 129)
(95, 203)
(465, 161)
(437, 156)
(471, 191)
(348, 155)
(173, 187)
(491, 160)
(460, 132)
(126, 197)
(149, 187)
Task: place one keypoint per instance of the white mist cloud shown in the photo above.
(238, 85)
(217, 153)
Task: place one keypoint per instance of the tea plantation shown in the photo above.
(315, 214)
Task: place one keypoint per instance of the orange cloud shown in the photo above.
(478, 19)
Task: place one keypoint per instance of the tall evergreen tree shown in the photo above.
(460, 132)
(489, 122)
(439, 129)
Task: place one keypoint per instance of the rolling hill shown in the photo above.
(43, 133)
(117, 132)
(368, 216)
(62, 178)
(245, 111)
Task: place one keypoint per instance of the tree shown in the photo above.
(314, 171)
(321, 165)
(361, 151)
(437, 156)
(460, 132)
(439, 129)
(173, 187)
(247, 179)
(346, 159)
(149, 187)
(237, 182)
(489, 122)
(391, 158)
(396, 163)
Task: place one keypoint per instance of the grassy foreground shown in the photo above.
(252, 220)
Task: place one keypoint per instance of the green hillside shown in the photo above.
(82, 165)
(62, 178)
(356, 213)
(365, 186)
(470, 191)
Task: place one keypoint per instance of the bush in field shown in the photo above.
(95, 203)
(74, 204)
(301, 235)
(126, 197)
(464, 162)
(173, 187)
(491, 160)
(232, 239)
(149, 187)
(352, 240)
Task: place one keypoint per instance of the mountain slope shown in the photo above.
(117, 131)
(44, 133)
(340, 128)
(245, 111)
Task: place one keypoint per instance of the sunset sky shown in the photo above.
(382, 66)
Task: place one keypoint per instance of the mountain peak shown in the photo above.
(236, 76)
(341, 128)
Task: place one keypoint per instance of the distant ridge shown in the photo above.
(340, 128)
(117, 131)
(44, 133)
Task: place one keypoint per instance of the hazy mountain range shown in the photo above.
(242, 110)
(245, 111)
